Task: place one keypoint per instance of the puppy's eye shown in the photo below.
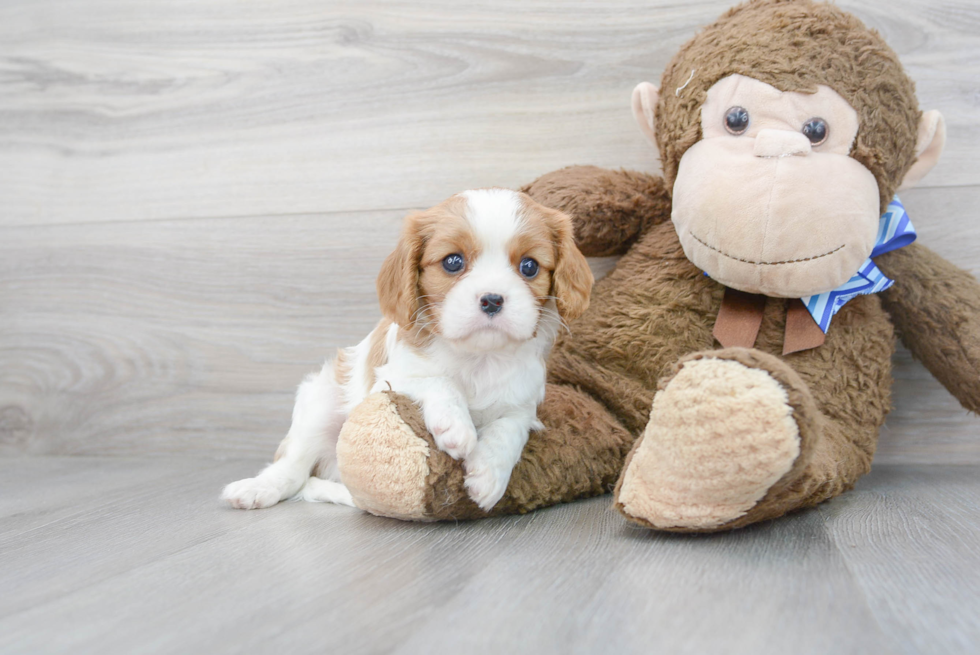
(736, 120)
(453, 263)
(816, 129)
(528, 267)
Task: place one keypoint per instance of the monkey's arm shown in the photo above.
(936, 308)
(610, 209)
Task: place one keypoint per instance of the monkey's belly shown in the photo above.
(651, 310)
(657, 307)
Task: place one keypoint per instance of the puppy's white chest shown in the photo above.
(495, 386)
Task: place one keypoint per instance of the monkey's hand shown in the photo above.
(936, 308)
(610, 209)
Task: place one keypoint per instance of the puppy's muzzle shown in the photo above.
(491, 303)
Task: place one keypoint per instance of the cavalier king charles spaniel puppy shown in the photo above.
(473, 297)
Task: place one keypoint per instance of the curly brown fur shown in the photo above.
(785, 495)
(656, 309)
(579, 454)
(612, 208)
(795, 45)
(936, 308)
(653, 309)
(834, 451)
(648, 315)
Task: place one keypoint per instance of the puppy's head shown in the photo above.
(482, 269)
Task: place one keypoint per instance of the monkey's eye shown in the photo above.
(529, 267)
(736, 120)
(453, 263)
(816, 130)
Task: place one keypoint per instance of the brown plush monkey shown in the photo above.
(712, 380)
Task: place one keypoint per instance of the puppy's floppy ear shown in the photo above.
(398, 281)
(572, 280)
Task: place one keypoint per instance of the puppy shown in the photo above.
(472, 297)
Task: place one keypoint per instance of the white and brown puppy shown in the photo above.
(473, 297)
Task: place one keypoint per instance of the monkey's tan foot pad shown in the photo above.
(721, 434)
(392, 467)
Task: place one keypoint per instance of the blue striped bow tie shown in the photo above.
(894, 231)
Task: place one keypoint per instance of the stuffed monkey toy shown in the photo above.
(736, 364)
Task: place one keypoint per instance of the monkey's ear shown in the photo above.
(928, 147)
(645, 97)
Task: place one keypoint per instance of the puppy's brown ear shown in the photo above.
(398, 281)
(572, 280)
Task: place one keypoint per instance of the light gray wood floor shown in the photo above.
(195, 198)
(125, 555)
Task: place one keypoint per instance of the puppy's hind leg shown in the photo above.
(317, 490)
(311, 442)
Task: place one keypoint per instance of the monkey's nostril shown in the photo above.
(491, 303)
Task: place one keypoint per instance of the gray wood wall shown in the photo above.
(195, 197)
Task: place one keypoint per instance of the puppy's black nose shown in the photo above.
(491, 303)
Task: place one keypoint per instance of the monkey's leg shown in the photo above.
(736, 437)
(392, 467)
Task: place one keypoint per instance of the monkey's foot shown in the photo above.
(392, 467)
(724, 437)
(384, 458)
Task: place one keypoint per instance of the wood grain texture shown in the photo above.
(136, 555)
(157, 337)
(196, 196)
(210, 376)
(177, 336)
(116, 110)
(909, 535)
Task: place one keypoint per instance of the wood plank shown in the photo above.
(35, 492)
(189, 336)
(334, 567)
(909, 535)
(942, 220)
(108, 528)
(117, 110)
(202, 328)
(604, 586)
(889, 567)
(164, 568)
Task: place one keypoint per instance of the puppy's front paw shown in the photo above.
(485, 483)
(251, 493)
(452, 428)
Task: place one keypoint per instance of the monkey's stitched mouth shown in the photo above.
(749, 261)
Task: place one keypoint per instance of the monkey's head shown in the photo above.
(784, 130)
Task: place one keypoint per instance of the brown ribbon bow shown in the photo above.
(740, 318)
